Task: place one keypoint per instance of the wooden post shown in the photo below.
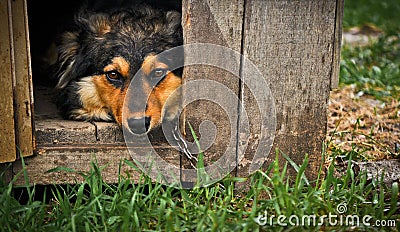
(337, 44)
(220, 23)
(16, 89)
(293, 44)
(7, 135)
(23, 79)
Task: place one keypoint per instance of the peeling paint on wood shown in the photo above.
(23, 79)
(7, 134)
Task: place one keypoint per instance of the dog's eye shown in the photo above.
(158, 73)
(114, 77)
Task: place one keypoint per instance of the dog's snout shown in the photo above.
(139, 125)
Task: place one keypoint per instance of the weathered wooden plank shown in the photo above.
(7, 136)
(79, 158)
(23, 79)
(337, 44)
(60, 131)
(110, 132)
(107, 132)
(292, 43)
(220, 23)
(50, 128)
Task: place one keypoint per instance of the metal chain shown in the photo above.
(183, 147)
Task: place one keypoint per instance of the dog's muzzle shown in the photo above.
(139, 125)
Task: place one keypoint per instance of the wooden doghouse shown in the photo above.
(295, 44)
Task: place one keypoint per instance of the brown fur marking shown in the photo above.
(119, 64)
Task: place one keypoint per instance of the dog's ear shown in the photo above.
(67, 58)
(71, 62)
(173, 21)
(96, 24)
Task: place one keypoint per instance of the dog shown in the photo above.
(113, 45)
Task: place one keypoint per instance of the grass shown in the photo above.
(146, 206)
(383, 14)
(374, 68)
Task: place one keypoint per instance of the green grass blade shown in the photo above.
(202, 176)
(394, 199)
(299, 170)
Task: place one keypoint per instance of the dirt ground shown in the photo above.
(364, 124)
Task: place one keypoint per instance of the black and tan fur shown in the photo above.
(97, 60)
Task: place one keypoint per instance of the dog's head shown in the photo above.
(109, 51)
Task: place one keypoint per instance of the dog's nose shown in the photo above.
(139, 125)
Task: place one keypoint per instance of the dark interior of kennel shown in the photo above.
(46, 20)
